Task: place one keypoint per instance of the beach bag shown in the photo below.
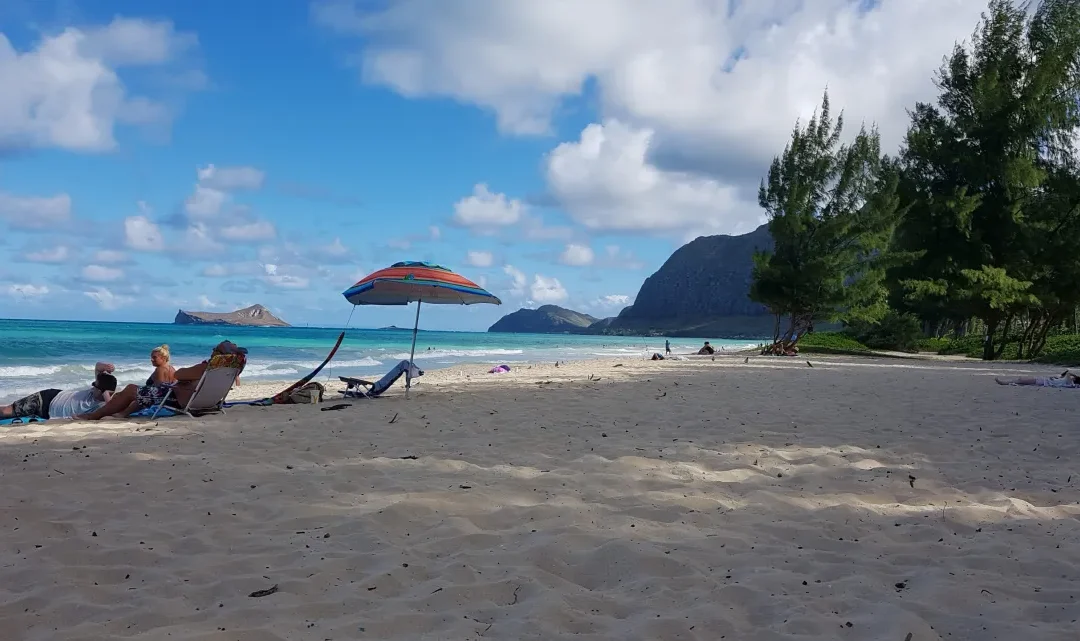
(308, 393)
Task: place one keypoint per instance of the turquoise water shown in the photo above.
(37, 355)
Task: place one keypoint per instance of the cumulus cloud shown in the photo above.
(101, 274)
(254, 232)
(142, 234)
(31, 212)
(215, 186)
(230, 178)
(577, 255)
(612, 300)
(606, 182)
(545, 290)
(110, 257)
(699, 94)
(55, 255)
(480, 259)
(484, 209)
(108, 300)
(66, 92)
(517, 280)
(26, 290)
(205, 302)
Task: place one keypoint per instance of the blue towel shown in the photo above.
(22, 421)
(149, 411)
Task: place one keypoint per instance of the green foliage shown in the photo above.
(989, 174)
(832, 209)
(895, 331)
(1062, 350)
(831, 343)
(975, 228)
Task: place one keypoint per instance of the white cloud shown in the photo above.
(26, 290)
(480, 259)
(101, 274)
(704, 86)
(67, 93)
(58, 254)
(199, 240)
(230, 178)
(546, 290)
(612, 300)
(108, 300)
(141, 234)
(109, 257)
(619, 258)
(215, 271)
(485, 209)
(577, 255)
(280, 276)
(335, 249)
(434, 232)
(205, 303)
(214, 188)
(29, 212)
(605, 182)
(517, 280)
(205, 202)
(253, 232)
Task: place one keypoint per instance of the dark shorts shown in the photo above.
(152, 395)
(37, 404)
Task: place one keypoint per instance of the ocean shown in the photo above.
(37, 355)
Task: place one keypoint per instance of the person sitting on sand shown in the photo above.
(163, 372)
(54, 403)
(1065, 380)
(657, 356)
(133, 398)
(706, 350)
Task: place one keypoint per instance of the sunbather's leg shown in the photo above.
(1023, 380)
(121, 402)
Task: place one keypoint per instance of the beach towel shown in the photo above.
(499, 369)
(22, 420)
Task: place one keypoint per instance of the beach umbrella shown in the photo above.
(417, 282)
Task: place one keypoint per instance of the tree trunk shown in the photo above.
(988, 340)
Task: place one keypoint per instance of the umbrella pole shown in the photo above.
(412, 352)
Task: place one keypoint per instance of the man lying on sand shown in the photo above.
(133, 398)
(1065, 380)
(54, 403)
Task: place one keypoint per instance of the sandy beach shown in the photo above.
(621, 499)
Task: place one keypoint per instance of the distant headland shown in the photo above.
(254, 316)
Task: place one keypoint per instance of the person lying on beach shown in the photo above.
(54, 403)
(1065, 380)
(134, 398)
(163, 372)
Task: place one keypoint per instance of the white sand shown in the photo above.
(703, 500)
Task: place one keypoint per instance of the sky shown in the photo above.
(209, 156)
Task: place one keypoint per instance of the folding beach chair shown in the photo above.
(214, 385)
(355, 387)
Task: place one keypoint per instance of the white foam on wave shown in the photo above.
(458, 353)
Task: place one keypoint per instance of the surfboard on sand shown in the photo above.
(282, 396)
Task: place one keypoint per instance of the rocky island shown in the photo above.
(254, 316)
(547, 319)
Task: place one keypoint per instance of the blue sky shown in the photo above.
(212, 155)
